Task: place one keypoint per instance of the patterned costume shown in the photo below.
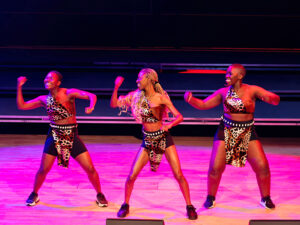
(156, 142)
(61, 135)
(236, 134)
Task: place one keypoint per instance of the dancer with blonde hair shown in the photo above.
(150, 105)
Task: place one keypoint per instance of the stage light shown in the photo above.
(203, 71)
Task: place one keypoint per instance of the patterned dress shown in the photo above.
(63, 135)
(155, 142)
(236, 134)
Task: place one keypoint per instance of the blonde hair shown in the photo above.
(135, 99)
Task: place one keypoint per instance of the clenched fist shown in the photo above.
(21, 81)
(118, 82)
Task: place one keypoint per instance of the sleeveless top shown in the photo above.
(147, 113)
(233, 103)
(55, 110)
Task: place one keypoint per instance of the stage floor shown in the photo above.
(67, 197)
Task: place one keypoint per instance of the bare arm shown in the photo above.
(178, 117)
(210, 102)
(266, 96)
(31, 104)
(114, 98)
(76, 93)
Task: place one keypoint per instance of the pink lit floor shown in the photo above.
(67, 197)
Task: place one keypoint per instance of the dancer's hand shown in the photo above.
(187, 96)
(165, 127)
(21, 81)
(89, 110)
(118, 82)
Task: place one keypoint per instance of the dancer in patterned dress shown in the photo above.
(149, 105)
(236, 140)
(62, 140)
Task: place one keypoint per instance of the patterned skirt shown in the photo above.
(237, 136)
(155, 144)
(63, 136)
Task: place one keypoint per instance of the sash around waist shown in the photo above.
(233, 123)
(63, 126)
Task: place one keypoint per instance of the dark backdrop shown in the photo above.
(148, 23)
(91, 42)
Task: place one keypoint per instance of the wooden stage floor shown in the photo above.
(67, 197)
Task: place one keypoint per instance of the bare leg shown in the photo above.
(216, 167)
(260, 165)
(173, 159)
(138, 164)
(85, 161)
(46, 165)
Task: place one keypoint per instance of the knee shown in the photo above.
(179, 176)
(263, 170)
(215, 171)
(43, 171)
(90, 170)
(131, 178)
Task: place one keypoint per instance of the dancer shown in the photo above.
(62, 140)
(236, 140)
(149, 105)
